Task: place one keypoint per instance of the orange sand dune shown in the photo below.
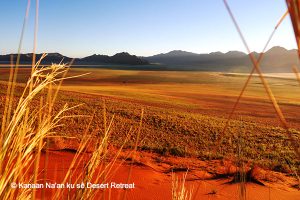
(153, 180)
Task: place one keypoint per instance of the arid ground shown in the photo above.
(184, 116)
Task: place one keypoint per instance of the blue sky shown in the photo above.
(142, 27)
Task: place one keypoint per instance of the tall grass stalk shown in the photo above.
(179, 188)
(23, 133)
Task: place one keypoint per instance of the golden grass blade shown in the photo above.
(268, 90)
(36, 23)
(296, 71)
(19, 55)
(134, 152)
(20, 139)
(179, 189)
(6, 114)
(294, 10)
(249, 77)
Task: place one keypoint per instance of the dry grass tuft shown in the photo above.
(24, 130)
(179, 188)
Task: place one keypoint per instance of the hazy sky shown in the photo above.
(143, 27)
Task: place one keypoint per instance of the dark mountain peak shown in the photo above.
(27, 58)
(122, 54)
(94, 56)
(55, 54)
(126, 58)
(119, 58)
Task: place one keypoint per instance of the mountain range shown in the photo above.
(276, 59)
(119, 58)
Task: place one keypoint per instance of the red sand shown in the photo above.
(153, 181)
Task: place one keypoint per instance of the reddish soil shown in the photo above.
(151, 175)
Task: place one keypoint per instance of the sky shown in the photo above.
(79, 28)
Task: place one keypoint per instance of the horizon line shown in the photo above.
(151, 55)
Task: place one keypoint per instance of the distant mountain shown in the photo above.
(119, 58)
(276, 59)
(183, 57)
(95, 59)
(235, 54)
(277, 50)
(27, 58)
(279, 59)
(175, 53)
